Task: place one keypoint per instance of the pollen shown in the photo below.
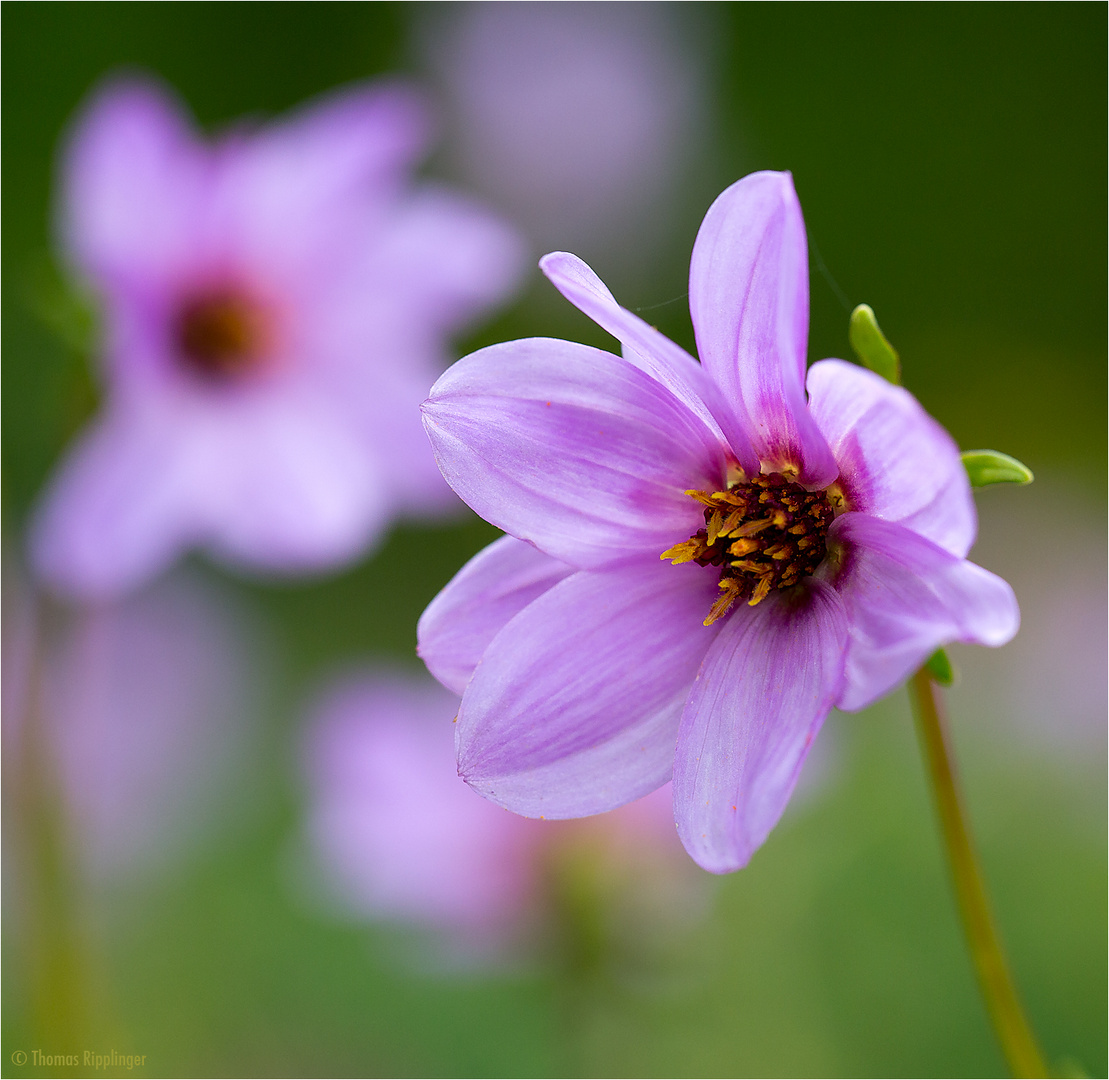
(767, 533)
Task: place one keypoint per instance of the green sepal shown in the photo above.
(940, 668)
(871, 346)
(985, 467)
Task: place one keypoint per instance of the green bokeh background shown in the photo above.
(951, 160)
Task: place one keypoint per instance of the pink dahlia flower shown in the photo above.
(274, 306)
(813, 545)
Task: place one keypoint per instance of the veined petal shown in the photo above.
(574, 707)
(134, 180)
(905, 597)
(650, 351)
(493, 587)
(571, 449)
(766, 685)
(749, 299)
(895, 461)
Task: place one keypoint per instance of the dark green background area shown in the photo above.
(951, 162)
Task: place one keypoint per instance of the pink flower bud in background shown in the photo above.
(396, 836)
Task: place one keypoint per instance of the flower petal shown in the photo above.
(749, 299)
(448, 257)
(118, 511)
(288, 486)
(135, 176)
(574, 707)
(571, 449)
(766, 685)
(493, 587)
(397, 833)
(895, 461)
(905, 597)
(649, 350)
(289, 194)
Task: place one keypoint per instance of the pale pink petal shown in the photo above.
(749, 299)
(119, 509)
(289, 487)
(134, 178)
(571, 449)
(766, 685)
(493, 587)
(905, 597)
(649, 350)
(447, 257)
(895, 461)
(574, 707)
(289, 194)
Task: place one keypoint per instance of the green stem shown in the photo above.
(56, 964)
(994, 980)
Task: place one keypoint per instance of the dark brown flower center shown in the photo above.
(765, 534)
(219, 333)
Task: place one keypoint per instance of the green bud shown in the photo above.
(871, 346)
(985, 467)
(940, 667)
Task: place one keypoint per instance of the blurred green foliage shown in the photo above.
(951, 161)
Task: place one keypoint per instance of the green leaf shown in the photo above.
(871, 346)
(985, 467)
(940, 667)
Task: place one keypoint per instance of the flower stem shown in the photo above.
(55, 958)
(994, 979)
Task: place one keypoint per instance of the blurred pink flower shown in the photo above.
(400, 837)
(582, 120)
(148, 708)
(274, 306)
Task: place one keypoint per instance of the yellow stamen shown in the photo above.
(749, 528)
(743, 547)
(686, 551)
(730, 589)
(703, 497)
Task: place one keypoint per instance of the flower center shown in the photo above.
(219, 333)
(766, 534)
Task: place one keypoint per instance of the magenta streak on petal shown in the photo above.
(748, 297)
(650, 351)
(895, 461)
(905, 597)
(571, 449)
(574, 707)
(493, 587)
(765, 687)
